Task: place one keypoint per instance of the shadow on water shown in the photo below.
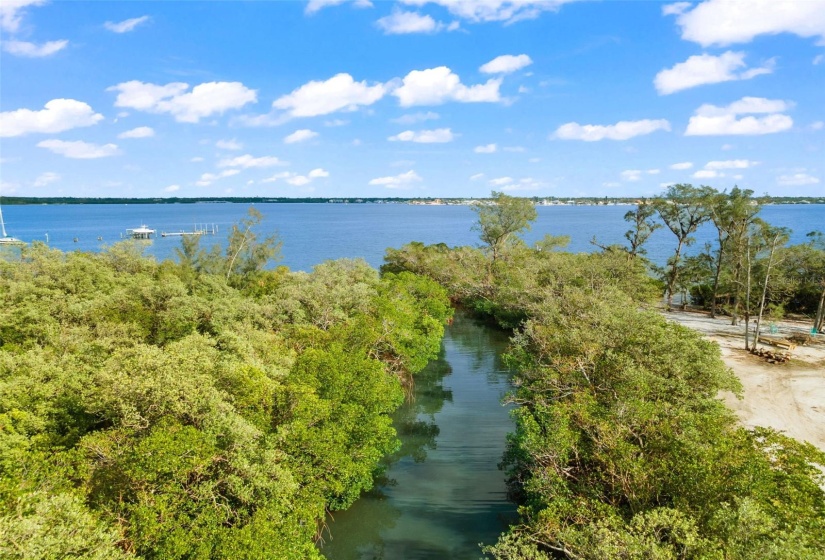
(441, 493)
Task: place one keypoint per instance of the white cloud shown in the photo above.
(45, 179)
(339, 93)
(231, 145)
(506, 64)
(534, 160)
(488, 149)
(500, 181)
(818, 125)
(682, 166)
(314, 6)
(57, 115)
(318, 173)
(523, 184)
(731, 164)
(675, 9)
(336, 122)
(172, 188)
(710, 120)
(727, 147)
(631, 175)
(611, 184)
(209, 178)
(622, 130)
(32, 50)
(204, 100)
(79, 149)
(139, 132)
(797, 180)
(653, 171)
(514, 149)
(126, 25)
(404, 180)
(440, 85)
(508, 11)
(819, 59)
(707, 174)
(437, 136)
(301, 135)
(722, 22)
(247, 161)
(196, 159)
(707, 69)
(400, 23)
(477, 177)
(11, 13)
(416, 117)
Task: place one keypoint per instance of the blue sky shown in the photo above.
(333, 98)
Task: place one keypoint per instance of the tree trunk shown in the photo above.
(672, 277)
(716, 278)
(748, 296)
(764, 293)
(820, 313)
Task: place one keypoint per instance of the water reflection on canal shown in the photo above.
(443, 493)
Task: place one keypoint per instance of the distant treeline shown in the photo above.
(15, 200)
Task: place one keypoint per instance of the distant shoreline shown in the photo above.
(434, 201)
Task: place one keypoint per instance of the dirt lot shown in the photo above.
(789, 397)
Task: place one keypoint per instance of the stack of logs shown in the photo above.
(772, 357)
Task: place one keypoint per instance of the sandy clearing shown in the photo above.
(787, 397)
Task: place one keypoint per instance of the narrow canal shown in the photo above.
(443, 493)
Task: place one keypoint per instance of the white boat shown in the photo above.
(142, 232)
(5, 238)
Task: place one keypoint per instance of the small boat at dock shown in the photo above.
(142, 232)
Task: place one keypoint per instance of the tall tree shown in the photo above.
(683, 209)
(727, 212)
(501, 219)
(642, 227)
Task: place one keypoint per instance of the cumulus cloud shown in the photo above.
(508, 11)
(248, 161)
(202, 101)
(230, 145)
(301, 135)
(721, 22)
(682, 166)
(172, 188)
(402, 181)
(731, 164)
(500, 181)
(710, 120)
(506, 64)
(314, 6)
(622, 130)
(707, 174)
(209, 178)
(437, 136)
(487, 149)
(416, 117)
(631, 175)
(400, 23)
(339, 93)
(79, 149)
(45, 179)
(477, 177)
(707, 69)
(797, 180)
(318, 173)
(139, 132)
(439, 85)
(33, 50)
(57, 115)
(11, 13)
(126, 25)
(523, 184)
(297, 180)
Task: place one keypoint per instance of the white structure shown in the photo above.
(142, 232)
(6, 239)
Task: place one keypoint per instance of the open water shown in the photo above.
(312, 233)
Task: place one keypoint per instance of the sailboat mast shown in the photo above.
(2, 224)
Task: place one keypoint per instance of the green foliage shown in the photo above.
(501, 219)
(622, 448)
(157, 410)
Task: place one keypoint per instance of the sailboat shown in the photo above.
(5, 238)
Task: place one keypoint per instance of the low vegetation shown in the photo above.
(202, 409)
